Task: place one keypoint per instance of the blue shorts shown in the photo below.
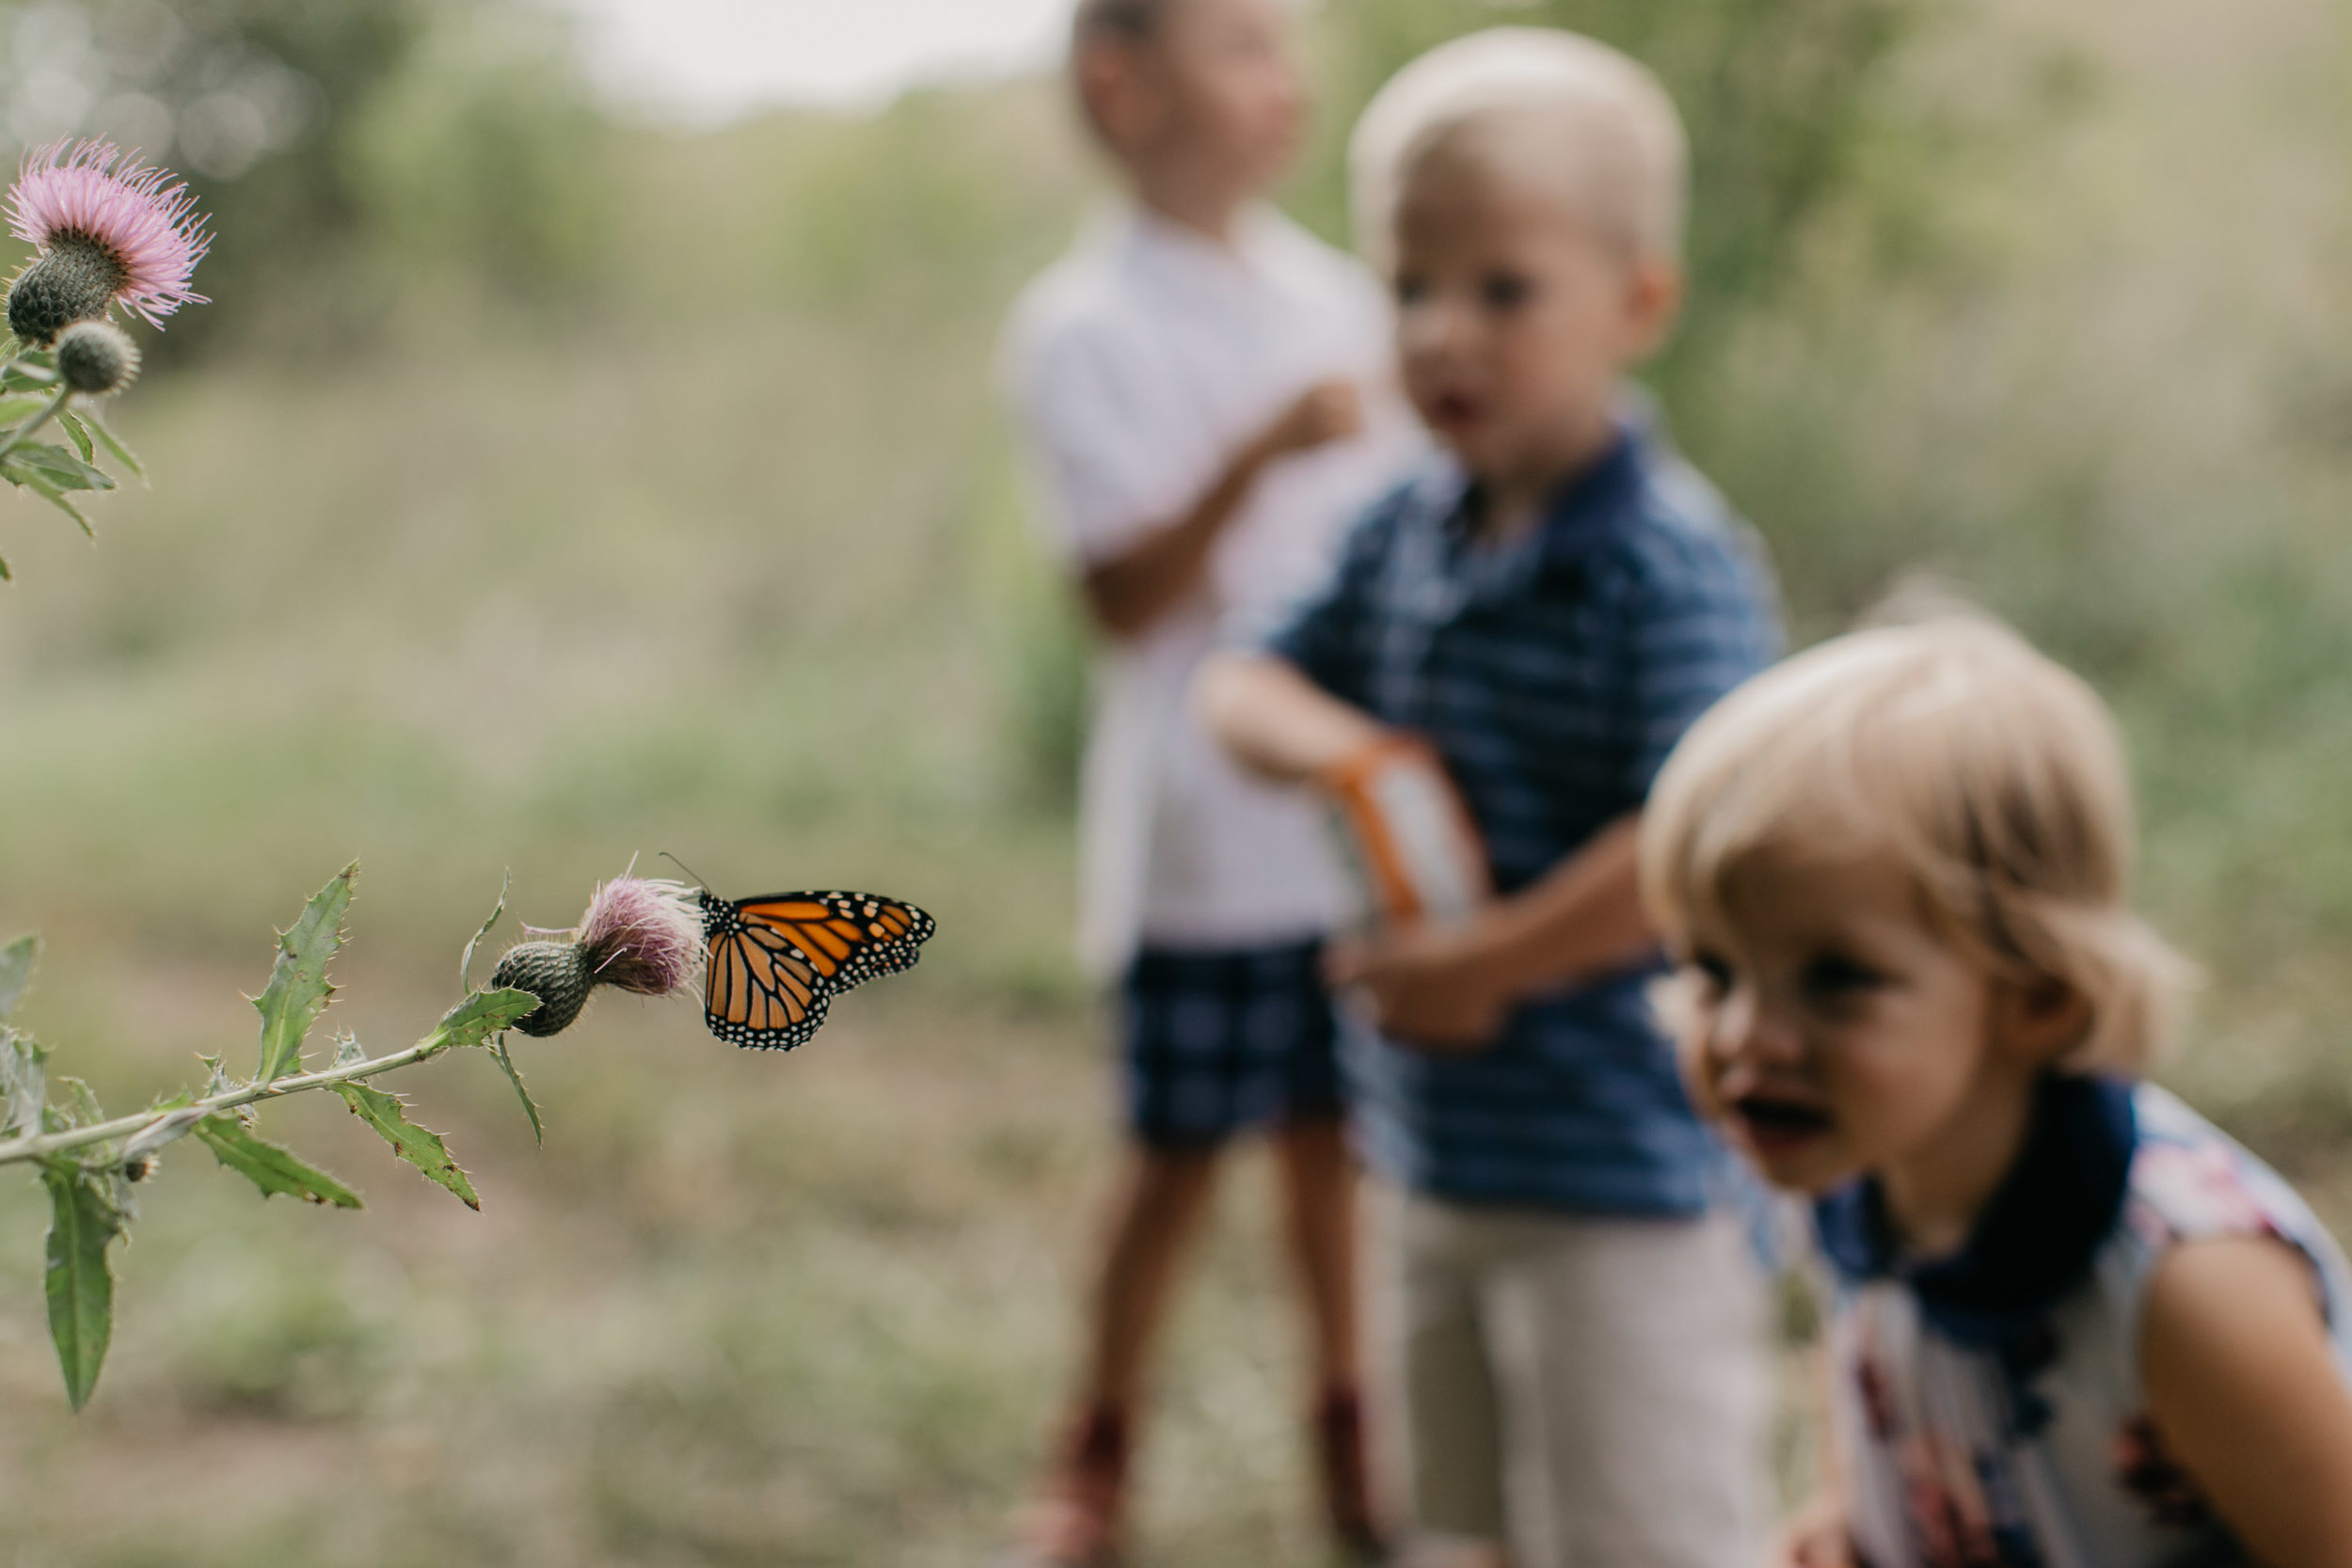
(1214, 1043)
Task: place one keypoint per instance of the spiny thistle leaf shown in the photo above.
(16, 971)
(484, 1014)
(85, 1110)
(80, 1287)
(59, 466)
(113, 443)
(24, 1080)
(414, 1144)
(298, 989)
(514, 1076)
(270, 1166)
(464, 959)
(72, 424)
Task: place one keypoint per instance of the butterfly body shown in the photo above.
(773, 965)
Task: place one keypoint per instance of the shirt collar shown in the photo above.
(2036, 1239)
(1586, 510)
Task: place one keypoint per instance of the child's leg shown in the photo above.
(1163, 1193)
(1318, 1177)
(1438, 1254)
(1157, 1211)
(1318, 1182)
(1639, 1372)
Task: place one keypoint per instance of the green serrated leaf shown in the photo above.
(79, 1285)
(6, 576)
(72, 424)
(83, 1111)
(113, 443)
(414, 1144)
(16, 971)
(270, 1166)
(58, 466)
(514, 1076)
(484, 1014)
(26, 370)
(15, 407)
(464, 959)
(298, 988)
(25, 1081)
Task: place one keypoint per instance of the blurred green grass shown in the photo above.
(722, 554)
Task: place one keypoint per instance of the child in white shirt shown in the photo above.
(1202, 387)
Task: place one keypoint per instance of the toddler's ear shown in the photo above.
(2042, 1018)
(1654, 289)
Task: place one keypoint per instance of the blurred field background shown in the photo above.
(548, 488)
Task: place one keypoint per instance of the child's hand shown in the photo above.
(1436, 986)
(1815, 1537)
(1328, 411)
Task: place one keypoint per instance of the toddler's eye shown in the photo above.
(1410, 290)
(1714, 974)
(1835, 977)
(1505, 290)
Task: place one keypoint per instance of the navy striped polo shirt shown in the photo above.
(1552, 674)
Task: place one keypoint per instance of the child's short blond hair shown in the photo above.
(1997, 776)
(1557, 107)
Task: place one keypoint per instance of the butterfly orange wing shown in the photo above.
(776, 963)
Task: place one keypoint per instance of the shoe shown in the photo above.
(1075, 1520)
(1346, 1471)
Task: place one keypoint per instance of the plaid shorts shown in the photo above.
(1216, 1042)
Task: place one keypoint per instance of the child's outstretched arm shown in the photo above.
(2243, 1389)
(1274, 720)
(1450, 986)
(1128, 592)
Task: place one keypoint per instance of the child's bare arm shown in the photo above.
(2245, 1391)
(1450, 986)
(1130, 591)
(1274, 720)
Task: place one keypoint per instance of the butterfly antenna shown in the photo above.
(683, 866)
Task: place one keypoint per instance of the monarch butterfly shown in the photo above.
(775, 963)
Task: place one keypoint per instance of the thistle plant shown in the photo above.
(108, 231)
(637, 935)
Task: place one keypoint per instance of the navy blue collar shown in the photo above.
(1589, 505)
(2036, 1239)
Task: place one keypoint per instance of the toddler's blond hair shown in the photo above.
(1996, 777)
(1556, 107)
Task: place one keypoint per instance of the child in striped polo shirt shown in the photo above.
(1548, 607)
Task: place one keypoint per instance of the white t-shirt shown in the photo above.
(1140, 364)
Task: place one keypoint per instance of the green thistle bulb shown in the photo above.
(74, 281)
(96, 357)
(559, 973)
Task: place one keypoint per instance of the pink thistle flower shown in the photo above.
(638, 936)
(116, 231)
(643, 936)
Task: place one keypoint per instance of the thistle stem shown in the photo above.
(22, 433)
(19, 1151)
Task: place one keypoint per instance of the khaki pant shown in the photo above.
(1596, 1393)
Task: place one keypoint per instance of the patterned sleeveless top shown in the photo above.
(1987, 1407)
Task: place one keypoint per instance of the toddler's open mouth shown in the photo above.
(1775, 1126)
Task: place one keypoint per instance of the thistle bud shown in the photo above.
(639, 936)
(557, 973)
(96, 357)
(74, 281)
